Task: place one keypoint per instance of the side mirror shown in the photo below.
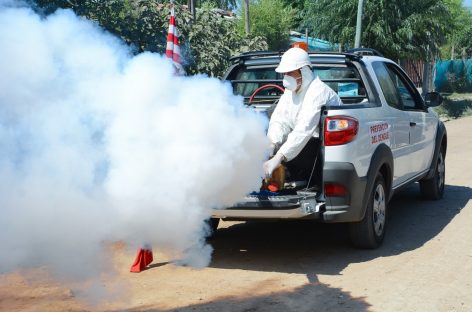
(433, 99)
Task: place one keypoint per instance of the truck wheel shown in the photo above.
(434, 188)
(369, 232)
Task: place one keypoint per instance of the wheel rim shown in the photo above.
(379, 209)
(441, 171)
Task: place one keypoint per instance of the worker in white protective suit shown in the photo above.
(293, 128)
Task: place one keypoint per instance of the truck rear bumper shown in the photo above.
(278, 207)
(349, 207)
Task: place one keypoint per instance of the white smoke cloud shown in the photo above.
(99, 145)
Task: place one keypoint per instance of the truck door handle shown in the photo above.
(412, 124)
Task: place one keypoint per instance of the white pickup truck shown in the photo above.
(384, 137)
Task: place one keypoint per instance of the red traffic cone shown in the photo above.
(143, 259)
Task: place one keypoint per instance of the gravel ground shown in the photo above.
(425, 263)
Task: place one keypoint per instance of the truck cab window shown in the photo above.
(387, 85)
(398, 93)
(410, 98)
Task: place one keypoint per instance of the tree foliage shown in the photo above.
(207, 43)
(398, 28)
(213, 40)
(271, 19)
(460, 38)
(222, 4)
(298, 9)
(463, 40)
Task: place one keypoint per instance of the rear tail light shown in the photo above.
(339, 130)
(334, 189)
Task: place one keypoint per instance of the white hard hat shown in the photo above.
(293, 59)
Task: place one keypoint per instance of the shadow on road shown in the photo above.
(314, 248)
(314, 296)
(311, 297)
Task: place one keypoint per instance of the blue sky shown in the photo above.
(468, 3)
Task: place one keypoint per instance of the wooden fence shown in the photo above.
(414, 69)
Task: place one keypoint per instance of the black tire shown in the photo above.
(370, 231)
(433, 189)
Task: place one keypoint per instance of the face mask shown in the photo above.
(290, 83)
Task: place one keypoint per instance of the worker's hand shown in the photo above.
(271, 164)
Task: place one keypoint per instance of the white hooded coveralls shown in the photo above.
(295, 119)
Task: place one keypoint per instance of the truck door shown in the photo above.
(399, 122)
(422, 125)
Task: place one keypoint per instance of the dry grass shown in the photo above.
(455, 105)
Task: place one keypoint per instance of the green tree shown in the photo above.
(398, 28)
(206, 43)
(460, 38)
(270, 19)
(298, 6)
(222, 4)
(464, 39)
(213, 40)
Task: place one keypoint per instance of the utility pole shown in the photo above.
(426, 85)
(357, 43)
(246, 14)
(193, 9)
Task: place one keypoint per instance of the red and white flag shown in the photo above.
(173, 49)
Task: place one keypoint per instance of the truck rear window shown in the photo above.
(345, 80)
(247, 80)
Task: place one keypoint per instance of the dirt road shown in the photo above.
(425, 263)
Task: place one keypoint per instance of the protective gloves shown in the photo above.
(271, 164)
